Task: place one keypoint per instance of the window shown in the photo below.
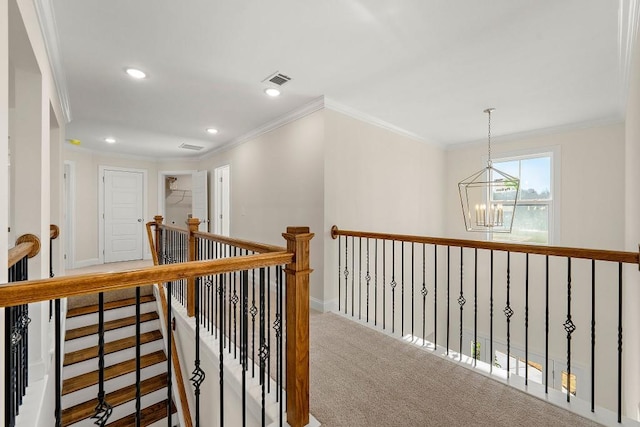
(534, 209)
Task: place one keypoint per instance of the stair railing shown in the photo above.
(238, 309)
(295, 258)
(411, 285)
(16, 358)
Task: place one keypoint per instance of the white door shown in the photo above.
(221, 204)
(123, 210)
(199, 200)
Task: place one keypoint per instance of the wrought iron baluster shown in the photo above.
(508, 312)
(424, 295)
(546, 327)
(412, 289)
(346, 271)
(384, 284)
(264, 349)
(375, 283)
(58, 362)
(367, 278)
(169, 349)
(461, 299)
(253, 311)
(138, 367)
(475, 307)
(491, 355)
(435, 295)
(619, 342)
(360, 278)
(393, 286)
(244, 292)
(267, 332)
(221, 347)
(280, 340)
(448, 294)
(234, 300)
(526, 322)
(353, 275)
(593, 334)
(339, 274)
(103, 410)
(402, 290)
(569, 327)
(197, 375)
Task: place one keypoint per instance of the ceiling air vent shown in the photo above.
(191, 147)
(277, 78)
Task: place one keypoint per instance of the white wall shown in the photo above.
(377, 180)
(87, 165)
(632, 233)
(277, 180)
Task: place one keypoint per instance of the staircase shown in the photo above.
(80, 374)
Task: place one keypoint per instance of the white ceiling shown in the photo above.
(427, 67)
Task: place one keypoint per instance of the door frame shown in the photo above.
(162, 194)
(69, 191)
(101, 241)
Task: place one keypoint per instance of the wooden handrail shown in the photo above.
(173, 227)
(47, 289)
(594, 254)
(26, 245)
(244, 244)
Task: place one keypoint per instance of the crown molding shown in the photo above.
(117, 155)
(538, 133)
(291, 116)
(628, 18)
(49, 29)
(359, 115)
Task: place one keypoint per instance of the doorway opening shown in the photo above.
(183, 195)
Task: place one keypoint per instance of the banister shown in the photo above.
(26, 245)
(46, 289)
(593, 254)
(244, 244)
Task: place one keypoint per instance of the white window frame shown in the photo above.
(554, 205)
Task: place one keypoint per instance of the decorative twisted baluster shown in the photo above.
(570, 328)
(508, 312)
(103, 410)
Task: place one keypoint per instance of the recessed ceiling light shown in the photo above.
(110, 140)
(135, 73)
(273, 92)
(212, 131)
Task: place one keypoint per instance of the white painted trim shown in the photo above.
(161, 193)
(116, 155)
(70, 209)
(323, 306)
(86, 263)
(537, 133)
(47, 21)
(291, 116)
(363, 117)
(101, 241)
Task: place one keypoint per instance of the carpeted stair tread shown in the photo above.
(110, 347)
(85, 410)
(89, 379)
(109, 326)
(148, 416)
(79, 311)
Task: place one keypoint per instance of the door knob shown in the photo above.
(139, 219)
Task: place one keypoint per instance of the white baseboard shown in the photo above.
(86, 263)
(323, 306)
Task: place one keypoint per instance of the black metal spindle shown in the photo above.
(235, 299)
(138, 367)
(375, 283)
(169, 323)
(367, 278)
(619, 342)
(339, 274)
(461, 299)
(384, 284)
(353, 274)
(508, 312)
(221, 347)
(360, 278)
(9, 362)
(393, 286)
(346, 271)
(198, 375)
(253, 310)
(569, 327)
(244, 342)
(448, 293)
(103, 410)
(526, 322)
(412, 289)
(267, 332)
(491, 355)
(435, 295)
(475, 307)
(58, 362)
(264, 350)
(593, 334)
(546, 327)
(280, 285)
(402, 290)
(424, 295)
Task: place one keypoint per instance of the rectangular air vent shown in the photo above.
(277, 78)
(191, 147)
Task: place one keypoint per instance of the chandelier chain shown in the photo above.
(489, 136)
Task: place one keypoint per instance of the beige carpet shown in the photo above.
(85, 300)
(361, 377)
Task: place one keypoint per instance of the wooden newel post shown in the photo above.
(192, 223)
(158, 219)
(297, 326)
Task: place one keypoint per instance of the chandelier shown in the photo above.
(489, 196)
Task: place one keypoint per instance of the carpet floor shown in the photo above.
(362, 377)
